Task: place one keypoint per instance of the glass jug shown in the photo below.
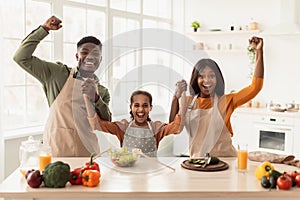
(29, 155)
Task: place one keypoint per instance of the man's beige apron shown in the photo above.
(67, 129)
(207, 131)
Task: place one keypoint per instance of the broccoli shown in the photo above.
(56, 174)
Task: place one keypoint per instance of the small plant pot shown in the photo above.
(195, 29)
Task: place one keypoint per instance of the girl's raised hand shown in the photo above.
(181, 86)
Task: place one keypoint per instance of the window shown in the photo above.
(125, 66)
(24, 97)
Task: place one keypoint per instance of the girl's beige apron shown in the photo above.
(141, 138)
(207, 131)
(67, 130)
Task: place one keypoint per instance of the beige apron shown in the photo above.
(67, 129)
(208, 132)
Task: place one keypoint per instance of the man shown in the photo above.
(67, 129)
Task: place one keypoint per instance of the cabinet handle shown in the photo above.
(272, 120)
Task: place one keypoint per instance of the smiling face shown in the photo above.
(140, 108)
(207, 82)
(89, 57)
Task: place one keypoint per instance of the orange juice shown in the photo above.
(242, 159)
(44, 160)
(23, 171)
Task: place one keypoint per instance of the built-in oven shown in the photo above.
(274, 134)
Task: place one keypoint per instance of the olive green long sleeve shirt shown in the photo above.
(54, 75)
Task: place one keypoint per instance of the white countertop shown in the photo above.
(149, 179)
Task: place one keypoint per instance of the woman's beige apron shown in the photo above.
(141, 138)
(67, 129)
(207, 131)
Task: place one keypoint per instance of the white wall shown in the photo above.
(281, 52)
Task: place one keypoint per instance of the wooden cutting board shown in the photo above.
(209, 168)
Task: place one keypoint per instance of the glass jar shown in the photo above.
(29, 155)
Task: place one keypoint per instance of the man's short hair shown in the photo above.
(90, 39)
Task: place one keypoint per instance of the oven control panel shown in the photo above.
(275, 120)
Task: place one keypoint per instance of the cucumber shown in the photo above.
(275, 173)
(272, 180)
(196, 161)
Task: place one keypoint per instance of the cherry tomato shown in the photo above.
(297, 180)
(284, 182)
(290, 175)
(293, 174)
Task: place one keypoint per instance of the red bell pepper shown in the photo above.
(75, 176)
(91, 164)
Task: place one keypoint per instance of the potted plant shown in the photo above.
(195, 25)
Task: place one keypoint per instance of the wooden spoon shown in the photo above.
(100, 154)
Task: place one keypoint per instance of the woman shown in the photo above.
(207, 119)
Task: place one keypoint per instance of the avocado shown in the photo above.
(214, 160)
(265, 182)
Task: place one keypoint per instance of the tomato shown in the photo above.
(290, 175)
(293, 174)
(284, 182)
(297, 180)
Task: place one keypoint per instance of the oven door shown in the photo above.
(273, 138)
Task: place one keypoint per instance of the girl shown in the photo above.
(209, 110)
(140, 132)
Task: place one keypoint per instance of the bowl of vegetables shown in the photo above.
(123, 157)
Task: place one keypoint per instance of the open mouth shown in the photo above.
(207, 86)
(89, 64)
(140, 115)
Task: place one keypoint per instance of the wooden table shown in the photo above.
(148, 179)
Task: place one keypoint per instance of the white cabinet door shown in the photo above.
(296, 146)
(243, 130)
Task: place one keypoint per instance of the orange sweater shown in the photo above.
(118, 128)
(229, 102)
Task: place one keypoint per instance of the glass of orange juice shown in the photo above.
(45, 156)
(242, 159)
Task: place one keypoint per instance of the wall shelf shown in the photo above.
(224, 33)
(214, 42)
(215, 51)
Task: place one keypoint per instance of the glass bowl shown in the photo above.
(123, 157)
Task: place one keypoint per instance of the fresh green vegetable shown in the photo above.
(56, 174)
(123, 158)
(197, 161)
(273, 180)
(275, 173)
(213, 161)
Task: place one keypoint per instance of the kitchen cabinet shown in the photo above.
(242, 125)
(214, 42)
(296, 145)
(148, 179)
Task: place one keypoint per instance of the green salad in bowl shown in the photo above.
(123, 157)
